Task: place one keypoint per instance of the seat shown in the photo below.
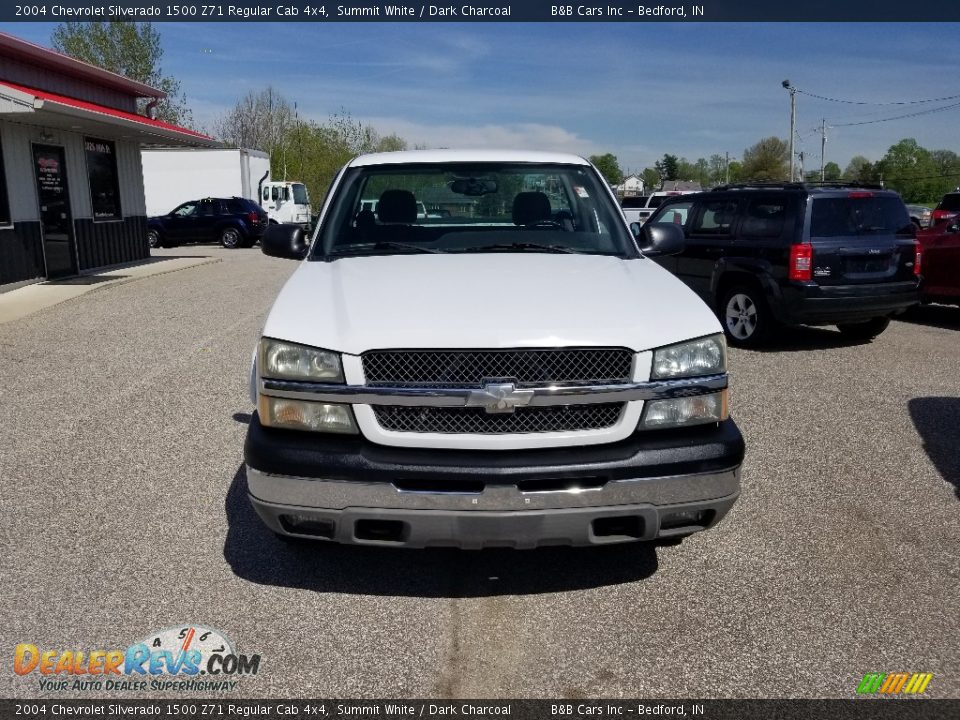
(397, 207)
(530, 208)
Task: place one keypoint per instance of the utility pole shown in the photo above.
(793, 120)
(726, 168)
(823, 146)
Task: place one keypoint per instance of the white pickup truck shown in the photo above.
(639, 208)
(512, 370)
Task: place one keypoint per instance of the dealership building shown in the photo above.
(71, 186)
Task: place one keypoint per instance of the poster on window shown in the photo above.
(102, 171)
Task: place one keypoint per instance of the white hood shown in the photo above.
(491, 300)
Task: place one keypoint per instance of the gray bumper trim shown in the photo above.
(499, 516)
(481, 529)
(343, 494)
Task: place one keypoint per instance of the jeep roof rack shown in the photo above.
(798, 185)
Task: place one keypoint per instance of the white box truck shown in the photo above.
(172, 176)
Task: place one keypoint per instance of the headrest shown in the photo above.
(530, 207)
(397, 206)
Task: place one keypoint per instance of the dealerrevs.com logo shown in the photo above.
(186, 658)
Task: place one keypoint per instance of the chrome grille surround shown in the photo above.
(471, 368)
(524, 420)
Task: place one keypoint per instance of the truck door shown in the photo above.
(268, 199)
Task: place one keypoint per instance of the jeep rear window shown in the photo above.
(849, 216)
(950, 201)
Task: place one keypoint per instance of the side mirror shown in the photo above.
(635, 229)
(661, 239)
(284, 240)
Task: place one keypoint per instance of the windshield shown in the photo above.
(476, 207)
(845, 216)
(300, 194)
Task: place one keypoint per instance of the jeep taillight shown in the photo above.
(801, 262)
(253, 217)
(917, 255)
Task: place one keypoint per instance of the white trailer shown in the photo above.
(172, 176)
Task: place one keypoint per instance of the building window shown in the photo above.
(4, 200)
(102, 172)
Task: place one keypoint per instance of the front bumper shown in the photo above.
(347, 489)
(830, 304)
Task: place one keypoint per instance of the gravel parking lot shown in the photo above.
(123, 416)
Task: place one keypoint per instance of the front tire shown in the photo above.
(746, 318)
(153, 238)
(231, 238)
(865, 330)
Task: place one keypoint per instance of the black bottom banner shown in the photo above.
(853, 709)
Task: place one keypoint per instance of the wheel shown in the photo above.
(153, 238)
(230, 238)
(865, 330)
(745, 316)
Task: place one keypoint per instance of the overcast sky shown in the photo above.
(636, 90)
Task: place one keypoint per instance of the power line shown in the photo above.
(899, 117)
(863, 102)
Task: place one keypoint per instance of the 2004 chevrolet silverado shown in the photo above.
(510, 370)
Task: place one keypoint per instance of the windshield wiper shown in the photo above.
(382, 245)
(524, 246)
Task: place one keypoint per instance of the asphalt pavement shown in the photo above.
(123, 413)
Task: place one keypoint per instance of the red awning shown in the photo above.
(146, 129)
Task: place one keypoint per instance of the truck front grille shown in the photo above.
(470, 368)
(553, 418)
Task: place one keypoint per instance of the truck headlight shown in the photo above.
(683, 411)
(706, 356)
(288, 361)
(305, 415)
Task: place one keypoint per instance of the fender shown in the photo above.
(760, 270)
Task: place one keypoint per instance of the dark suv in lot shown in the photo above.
(233, 222)
(790, 254)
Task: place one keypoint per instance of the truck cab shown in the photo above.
(286, 202)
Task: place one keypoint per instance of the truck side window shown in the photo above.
(274, 192)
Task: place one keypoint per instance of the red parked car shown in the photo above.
(940, 263)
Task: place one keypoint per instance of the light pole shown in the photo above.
(793, 119)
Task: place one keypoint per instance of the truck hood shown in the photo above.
(493, 300)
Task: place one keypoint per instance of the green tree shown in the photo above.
(859, 169)
(651, 179)
(735, 169)
(910, 169)
(831, 173)
(668, 167)
(767, 160)
(130, 49)
(609, 167)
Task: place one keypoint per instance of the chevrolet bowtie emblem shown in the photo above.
(499, 397)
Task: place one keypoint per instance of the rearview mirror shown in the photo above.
(284, 240)
(661, 239)
(474, 186)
